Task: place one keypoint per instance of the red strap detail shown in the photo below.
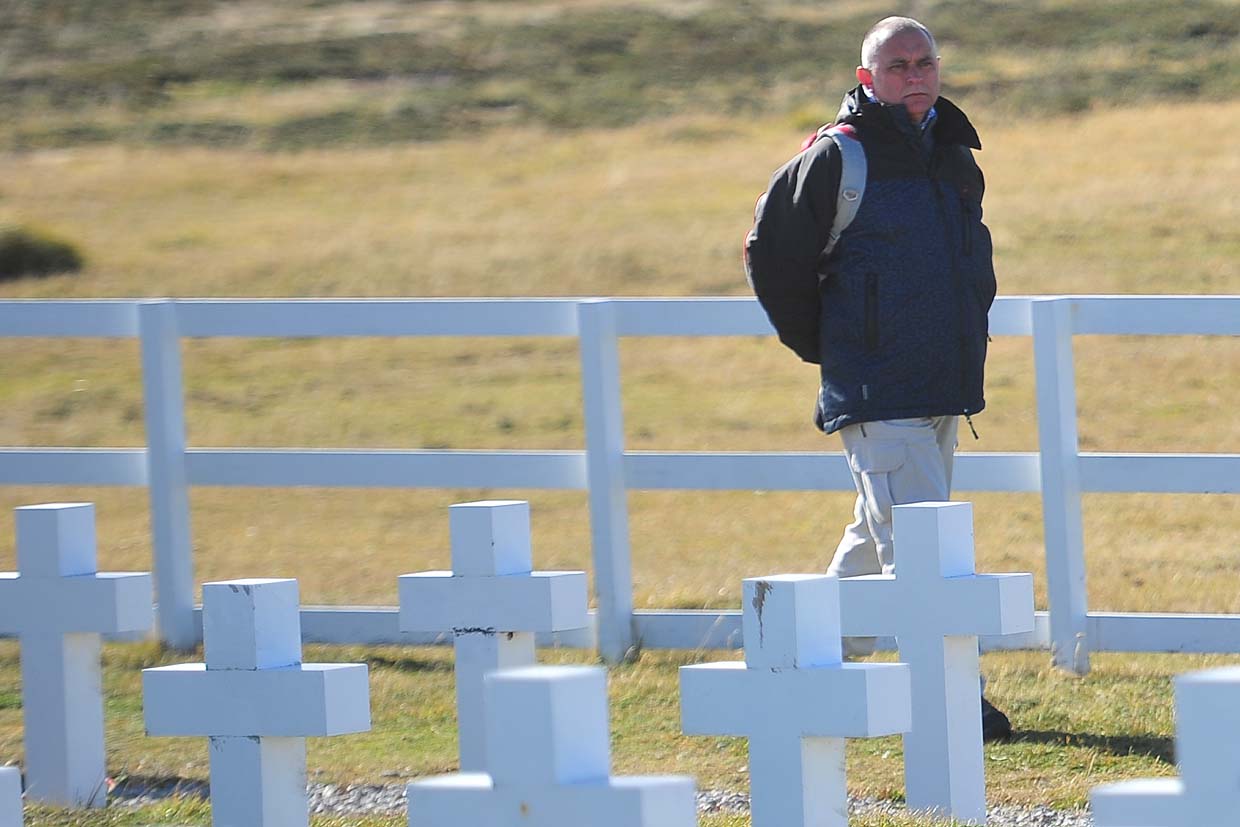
(845, 128)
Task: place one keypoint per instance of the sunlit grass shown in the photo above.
(653, 210)
(1098, 201)
(1073, 733)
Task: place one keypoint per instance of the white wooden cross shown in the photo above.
(550, 763)
(493, 603)
(1207, 746)
(59, 605)
(256, 701)
(936, 606)
(794, 700)
(10, 797)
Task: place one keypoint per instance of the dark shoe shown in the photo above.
(995, 725)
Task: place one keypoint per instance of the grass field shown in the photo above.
(603, 148)
(1075, 732)
(610, 216)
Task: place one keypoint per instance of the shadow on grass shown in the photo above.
(409, 664)
(1152, 746)
(140, 789)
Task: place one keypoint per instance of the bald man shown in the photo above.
(895, 312)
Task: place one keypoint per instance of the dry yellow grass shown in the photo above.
(654, 210)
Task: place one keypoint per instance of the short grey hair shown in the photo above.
(886, 29)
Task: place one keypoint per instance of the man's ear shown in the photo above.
(864, 76)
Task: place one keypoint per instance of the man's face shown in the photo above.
(907, 72)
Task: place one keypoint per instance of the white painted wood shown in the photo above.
(1160, 473)
(273, 468)
(490, 538)
(381, 624)
(609, 511)
(1061, 483)
(705, 316)
(72, 466)
(493, 603)
(311, 699)
(271, 771)
(1010, 315)
(808, 471)
(1156, 315)
(547, 726)
(936, 607)
(294, 318)
(1147, 802)
(89, 318)
(56, 540)
(1207, 745)
(540, 601)
(1141, 632)
(547, 734)
(10, 797)
(689, 629)
(1207, 708)
(791, 621)
(478, 653)
(59, 606)
(256, 702)
(253, 624)
(795, 701)
(167, 482)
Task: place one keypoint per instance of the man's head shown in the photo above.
(900, 64)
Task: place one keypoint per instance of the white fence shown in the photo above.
(1058, 470)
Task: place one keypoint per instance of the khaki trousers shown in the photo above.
(893, 462)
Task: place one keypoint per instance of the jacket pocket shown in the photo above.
(871, 311)
(874, 460)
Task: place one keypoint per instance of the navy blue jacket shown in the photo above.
(896, 314)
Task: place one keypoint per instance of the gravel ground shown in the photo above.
(390, 798)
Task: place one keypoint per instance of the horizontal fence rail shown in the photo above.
(1058, 470)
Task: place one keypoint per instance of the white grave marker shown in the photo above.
(795, 700)
(59, 605)
(1207, 708)
(256, 701)
(936, 606)
(550, 762)
(10, 797)
(493, 603)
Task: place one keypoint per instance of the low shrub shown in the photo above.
(28, 252)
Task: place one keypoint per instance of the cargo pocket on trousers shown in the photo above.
(874, 460)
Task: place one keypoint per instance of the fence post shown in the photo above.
(1061, 483)
(167, 479)
(609, 512)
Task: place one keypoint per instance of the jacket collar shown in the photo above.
(951, 126)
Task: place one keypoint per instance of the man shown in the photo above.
(895, 313)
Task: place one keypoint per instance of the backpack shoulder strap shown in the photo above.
(852, 180)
